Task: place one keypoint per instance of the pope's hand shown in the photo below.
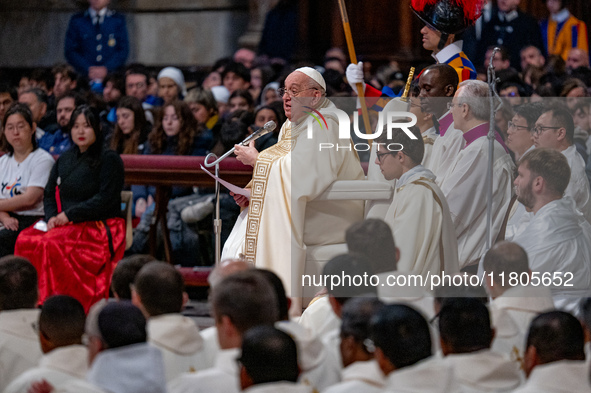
(355, 75)
(240, 200)
(246, 154)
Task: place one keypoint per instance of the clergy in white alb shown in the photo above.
(554, 355)
(20, 349)
(159, 292)
(513, 306)
(361, 372)
(466, 335)
(558, 238)
(240, 302)
(555, 129)
(520, 140)
(419, 215)
(283, 218)
(61, 326)
(402, 344)
(464, 185)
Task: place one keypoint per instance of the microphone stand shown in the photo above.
(492, 83)
(217, 221)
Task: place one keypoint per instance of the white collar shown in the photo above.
(561, 16)
(509, 16)
(451, 50)
(417, 170)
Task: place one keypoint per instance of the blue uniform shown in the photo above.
(89, 45)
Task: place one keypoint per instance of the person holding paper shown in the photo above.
(282, 218)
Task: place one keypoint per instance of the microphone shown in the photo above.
(267, 128)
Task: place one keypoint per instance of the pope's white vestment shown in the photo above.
(422, 225)
(283, 217)
(558, 241)
(464, 186)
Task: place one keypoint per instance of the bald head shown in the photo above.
(505, 258)
(577, 58)
(226, 268)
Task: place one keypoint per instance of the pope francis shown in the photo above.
(283, 217)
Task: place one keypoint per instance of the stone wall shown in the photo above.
(162, 32)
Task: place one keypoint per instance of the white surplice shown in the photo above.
(363, 376)
(578, 186)
(431, 375)
(565, 376)
(319, 317)
(275, 387)
(429, 138)
(222, 378)
(465, 189)
(511, 314)
(20, 349)
(558, 239)
(179, 340)
(445, 150)
(422, 225)
(57, 367)
(484, 371)
(283, 218)
(319, 366)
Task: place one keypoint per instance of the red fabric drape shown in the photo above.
(74, 259)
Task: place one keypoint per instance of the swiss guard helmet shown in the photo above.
(447, 16)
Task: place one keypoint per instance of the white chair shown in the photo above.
(377, 196)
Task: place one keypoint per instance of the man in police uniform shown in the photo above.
(96, 41)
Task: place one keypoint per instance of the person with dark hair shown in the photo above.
(555, 129)
(269, 361)
(402, 342)
(36, 99)
(520, 136)
(159, 291)
(554, 355)
(236, 77)
(120, 359)
(240, 302)
(124, 274)
(437, 86)
(513, 306)
(564, 246)
(462, 184)
(318, 359)
(19, 341)
(263, 115)
(131, 128)
(114, 89)
(65, 79)
(137, 81)
(361, 373)
(418, 206)
(82, 204)
(24, 172)
(61, 326)
(176, 133)
(466, 335)
(59, 140)
(7, 96)
(241, 100)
